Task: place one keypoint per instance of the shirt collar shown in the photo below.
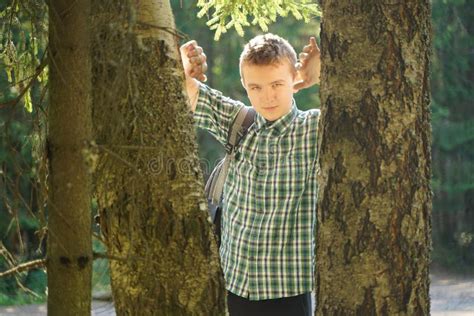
(279, 125)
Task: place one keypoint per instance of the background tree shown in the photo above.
(69, 251)
(374, 206)
(148, 180)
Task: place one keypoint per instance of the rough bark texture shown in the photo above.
(69, 254)
(148, 179)
(373, 236)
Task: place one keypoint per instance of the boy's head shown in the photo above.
(268, 73)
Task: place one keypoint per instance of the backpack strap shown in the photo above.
(238, 130)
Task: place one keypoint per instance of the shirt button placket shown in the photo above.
(253, 233)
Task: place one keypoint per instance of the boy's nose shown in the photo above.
(269, 95)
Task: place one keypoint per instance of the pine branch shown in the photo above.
(39, 263)
(39, 70)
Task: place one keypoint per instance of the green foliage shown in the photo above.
(20, 298)
(452, 90)
(23, 37)
(453, 134)
(450, 135)
(236, 13)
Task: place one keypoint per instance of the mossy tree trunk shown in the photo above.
(153, 214)
(373, 236)
(69, 252)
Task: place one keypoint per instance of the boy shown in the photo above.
(269, 198)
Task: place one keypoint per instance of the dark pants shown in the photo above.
(299, 305)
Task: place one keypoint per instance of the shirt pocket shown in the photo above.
(290, 173)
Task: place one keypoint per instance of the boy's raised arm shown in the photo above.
(195, 66)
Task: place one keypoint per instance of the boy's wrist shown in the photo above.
(192, 88)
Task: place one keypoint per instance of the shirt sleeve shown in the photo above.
(215, 112)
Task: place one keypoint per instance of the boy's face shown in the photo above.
(270, 88)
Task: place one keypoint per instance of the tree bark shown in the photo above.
(69, 252)
(374, 206)
(148, 179)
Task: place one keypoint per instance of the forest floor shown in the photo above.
(450, 296)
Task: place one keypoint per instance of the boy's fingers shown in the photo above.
(307, 49)
(198, 71)
(303, 56)
(195, 60)
(191, 43)
(188, 45)
(196, 51)
(312, 47)
(204, 67)
(314, 44)
(203, 58)
(300, 85)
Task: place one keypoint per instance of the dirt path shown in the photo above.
(450, 296)
(99, 308)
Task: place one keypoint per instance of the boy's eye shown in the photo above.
(255, 88)
(276, 85)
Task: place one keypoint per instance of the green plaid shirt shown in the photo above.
(269, 206)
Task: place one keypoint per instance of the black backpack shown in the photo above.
(215, 183)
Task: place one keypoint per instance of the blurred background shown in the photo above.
(23, 40)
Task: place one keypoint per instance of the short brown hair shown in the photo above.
(267, 49)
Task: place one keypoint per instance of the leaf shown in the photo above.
(27, 100)
(296, 14)
(214, 20)
(263, 25)
(34, 45)
(43, 76)
(218, 33)
(239, 29)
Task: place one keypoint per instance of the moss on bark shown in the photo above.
(148, 179)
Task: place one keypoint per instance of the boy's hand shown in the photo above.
(194, 61)
(309, 65)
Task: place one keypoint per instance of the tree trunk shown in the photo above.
(148, 180)
(69, 253)
(373, 236)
